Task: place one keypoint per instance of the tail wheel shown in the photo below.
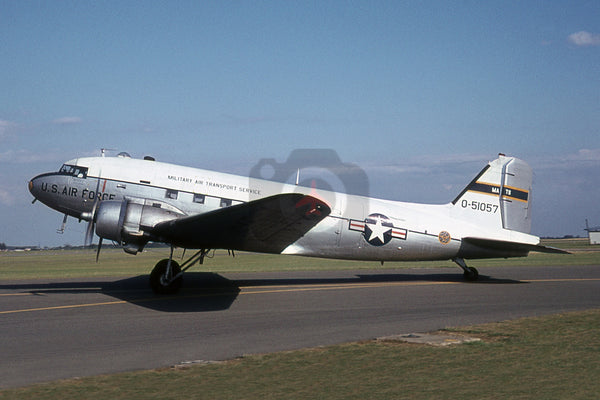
(163, 284)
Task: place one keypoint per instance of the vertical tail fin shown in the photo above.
(499, 196)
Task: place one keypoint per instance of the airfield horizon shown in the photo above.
(73, 263)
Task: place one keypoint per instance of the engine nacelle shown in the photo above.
(125, 221)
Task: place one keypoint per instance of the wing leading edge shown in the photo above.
(266, 225)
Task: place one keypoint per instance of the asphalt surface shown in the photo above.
(51, 330)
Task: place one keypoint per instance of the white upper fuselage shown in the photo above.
(358, 227)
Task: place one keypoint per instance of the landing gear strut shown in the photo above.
(167, 275)
(470, 274)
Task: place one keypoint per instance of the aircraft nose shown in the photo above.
(35, 186)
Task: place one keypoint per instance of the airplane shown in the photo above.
(136, 201)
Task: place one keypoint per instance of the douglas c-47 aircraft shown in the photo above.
(132, 202)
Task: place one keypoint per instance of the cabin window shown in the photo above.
(171, 194)
(73, 170)
(225, 202)
(199, 198)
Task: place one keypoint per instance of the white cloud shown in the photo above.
(582, 160)
(428, 163)
(6, 198)
(583, 38)
(584, 155)
(27, 157)
(67, 121)
(5, 128)
(5, 125)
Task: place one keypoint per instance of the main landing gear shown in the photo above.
(470, 274)
(167, 275)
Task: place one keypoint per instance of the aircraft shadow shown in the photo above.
(206, 291)
(202, 292)
(374, 278)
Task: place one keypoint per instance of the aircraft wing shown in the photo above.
(502, 245)
(266, 225)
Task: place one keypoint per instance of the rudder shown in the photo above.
(516, 196)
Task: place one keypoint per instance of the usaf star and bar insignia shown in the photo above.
(377, 229)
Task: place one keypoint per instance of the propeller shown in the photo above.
(89, 232)
(99, 247)
(91, 217)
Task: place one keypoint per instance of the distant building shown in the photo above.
(21, 248)
(594, 236)
(593, 233)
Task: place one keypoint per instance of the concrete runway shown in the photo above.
(51, 330)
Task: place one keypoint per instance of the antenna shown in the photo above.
(104, 150)
(297, 176)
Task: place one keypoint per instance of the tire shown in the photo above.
(472, 275)
(157, 282)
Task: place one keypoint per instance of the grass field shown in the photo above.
(52, 264)
(554, 357)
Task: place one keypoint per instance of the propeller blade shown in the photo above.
(99, 247)
(89, 233)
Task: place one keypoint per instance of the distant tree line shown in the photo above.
(2, 246)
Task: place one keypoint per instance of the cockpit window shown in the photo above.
(73, 170)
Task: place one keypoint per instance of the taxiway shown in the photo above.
(63, 329)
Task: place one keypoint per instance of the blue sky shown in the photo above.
(419, 94)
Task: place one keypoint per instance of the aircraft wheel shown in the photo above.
(158, 281)
(472, 275)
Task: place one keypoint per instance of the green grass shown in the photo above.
(553, 357)
(114, 262)
(574, 244)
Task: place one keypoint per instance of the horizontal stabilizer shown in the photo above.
(502, 245)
